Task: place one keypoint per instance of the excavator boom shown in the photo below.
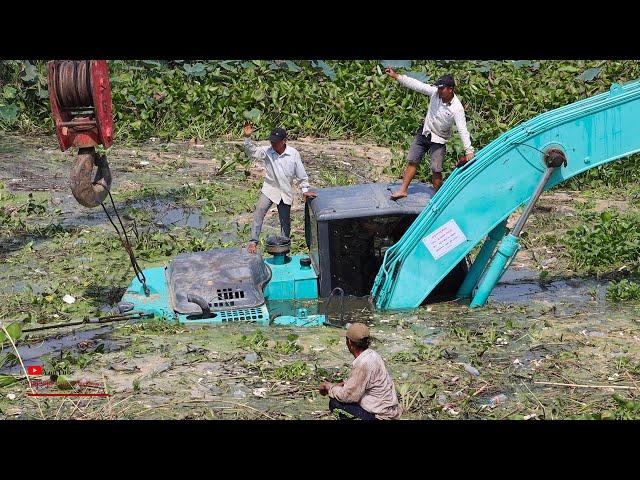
(477, 199)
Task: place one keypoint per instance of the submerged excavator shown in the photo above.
(398, 254)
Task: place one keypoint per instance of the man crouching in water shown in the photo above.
(369, 392)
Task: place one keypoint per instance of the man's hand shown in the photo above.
(464, 159)
(251, 248)
(309, 195)
(247, 130)
(325, 387)
(391, 72)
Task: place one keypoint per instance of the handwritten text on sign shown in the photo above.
(444, 239)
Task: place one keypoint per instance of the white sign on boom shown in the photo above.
(444, 239)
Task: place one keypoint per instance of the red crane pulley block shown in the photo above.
(80, 96)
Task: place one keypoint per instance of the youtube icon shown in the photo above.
(34, 369)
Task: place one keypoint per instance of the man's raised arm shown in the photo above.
(252, 149)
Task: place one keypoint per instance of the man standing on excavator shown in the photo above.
(282, 164)
(444, 110)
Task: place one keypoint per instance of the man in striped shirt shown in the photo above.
(444, 110)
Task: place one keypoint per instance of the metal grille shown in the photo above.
(245, 314)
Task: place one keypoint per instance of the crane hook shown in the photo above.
(87, 192)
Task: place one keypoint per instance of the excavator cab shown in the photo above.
(349, 229)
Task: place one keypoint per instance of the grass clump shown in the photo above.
(623, 291)
(611, 242)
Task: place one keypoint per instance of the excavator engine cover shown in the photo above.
(227, 279)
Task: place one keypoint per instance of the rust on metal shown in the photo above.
(80, 97)
(88, 192)
(554, 157)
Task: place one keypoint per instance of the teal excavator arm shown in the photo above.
(477, 199)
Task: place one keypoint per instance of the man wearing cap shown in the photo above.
(445, 109)
(282, 164)
(369, 392)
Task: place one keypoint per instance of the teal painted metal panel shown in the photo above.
(291, 281)
(158, 300)
(301, 320)
(157, 303)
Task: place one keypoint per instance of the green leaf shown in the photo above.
(588, 74)
(521, 63)
(396, 63)
(197, 69)
(30, 72)
(326, 69)
(228, 67)
(6, 380)
(8, 113)
(43, 93)
(8, 92)
(606, 216)
(62, 383)
(13, 329)
(253, 115)
(292, 66)
(8, 360)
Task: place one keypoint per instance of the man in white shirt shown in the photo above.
(444, 110)
(282, 164)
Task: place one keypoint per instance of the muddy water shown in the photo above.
(35, 351)
(340, 311)
(522, 286)
(164, 213)
(517, 287)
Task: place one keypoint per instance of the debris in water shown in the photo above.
(260, 392)
(251, 357)
(451, 411)
(68, 299)
(497, 400)
(239, 394)
(472, 370)
(163, 367)
(122, 367)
